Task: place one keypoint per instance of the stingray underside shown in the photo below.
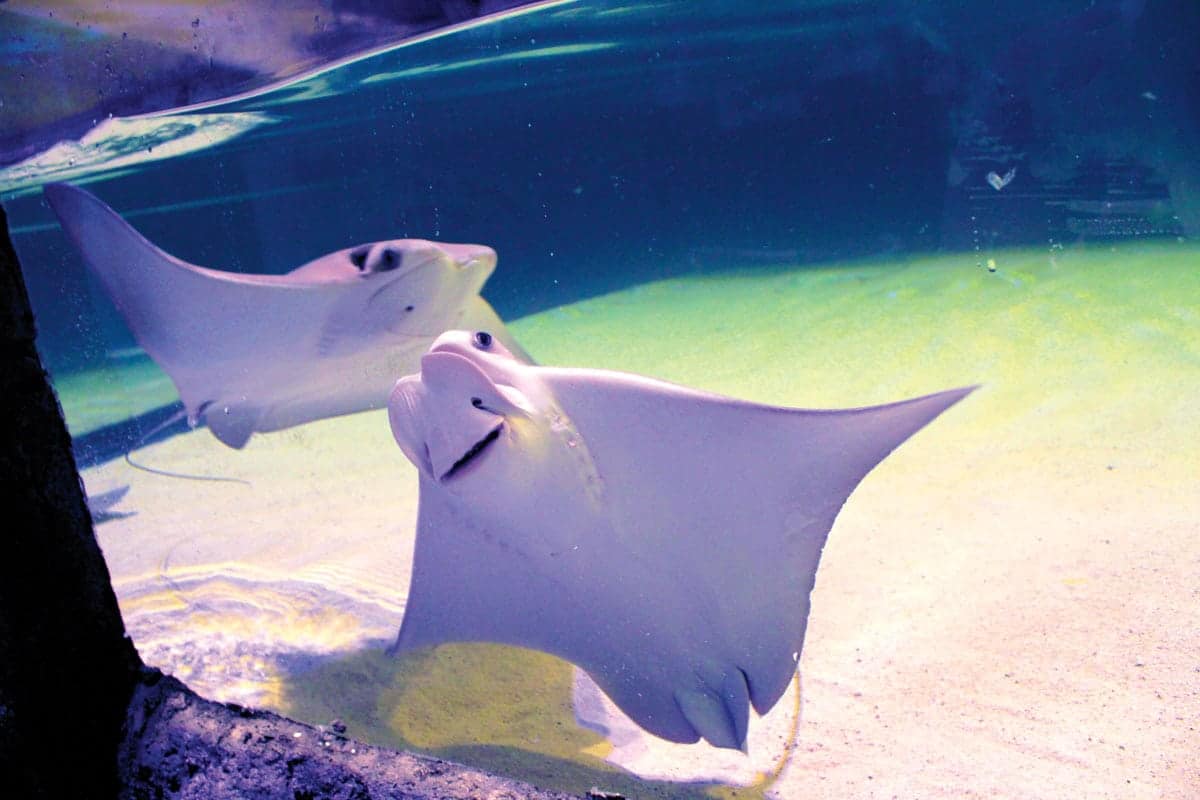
(688, 600)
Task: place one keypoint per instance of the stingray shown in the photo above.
(254, 353)
(661, 538)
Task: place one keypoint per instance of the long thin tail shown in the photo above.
(181, 414)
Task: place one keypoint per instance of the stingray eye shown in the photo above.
(477, 402)
(483, 340)
(358, 257)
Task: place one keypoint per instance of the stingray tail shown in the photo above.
(174, 418)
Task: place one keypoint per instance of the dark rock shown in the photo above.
(67, 669)
(600, 794)
(197, 749)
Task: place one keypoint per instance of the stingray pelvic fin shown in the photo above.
(721, 717)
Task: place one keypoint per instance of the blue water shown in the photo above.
(600, 144)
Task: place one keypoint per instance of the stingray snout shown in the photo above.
(446, 417)
(470, 255)
(457, 382)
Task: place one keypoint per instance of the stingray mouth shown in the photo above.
(472, 456)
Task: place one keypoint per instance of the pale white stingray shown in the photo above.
(663, 539)
(253, 353)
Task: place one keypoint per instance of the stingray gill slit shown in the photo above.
(473, 453)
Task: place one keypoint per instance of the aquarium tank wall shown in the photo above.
(241, 224)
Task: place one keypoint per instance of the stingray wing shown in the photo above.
(730, 502)
(204, 327)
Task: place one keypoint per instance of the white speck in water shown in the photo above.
(297, 735)
(997, 182)
(796, 657)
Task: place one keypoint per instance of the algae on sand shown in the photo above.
(504, 709)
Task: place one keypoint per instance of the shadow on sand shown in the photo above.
(502, 709)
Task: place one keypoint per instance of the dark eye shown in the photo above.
(483, 340)
(477, 402)
(358, 256)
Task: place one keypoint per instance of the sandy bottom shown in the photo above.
(1008, 606)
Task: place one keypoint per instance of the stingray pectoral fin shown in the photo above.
(727, 504)
(199, 325)
(826, 454)
(171, 307)
(874, 432)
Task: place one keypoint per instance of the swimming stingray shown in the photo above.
(264, 352)
(661, 538)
